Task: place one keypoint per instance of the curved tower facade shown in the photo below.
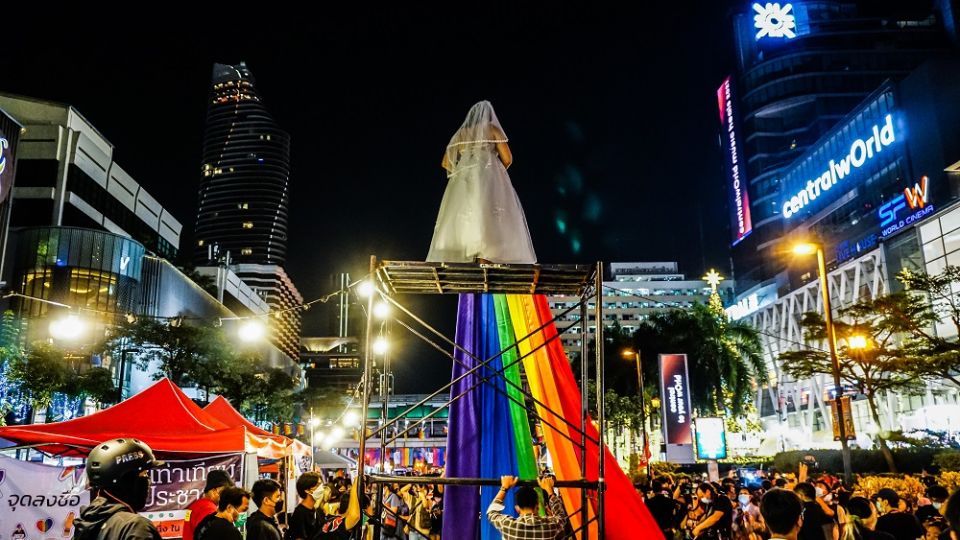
(243, 200)
(795, 82)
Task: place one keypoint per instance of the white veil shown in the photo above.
(480, 128)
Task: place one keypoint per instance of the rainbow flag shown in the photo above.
(490, 432)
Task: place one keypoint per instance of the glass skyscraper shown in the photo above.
(243, 199)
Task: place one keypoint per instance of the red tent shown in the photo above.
(221, 409)
(161, 416)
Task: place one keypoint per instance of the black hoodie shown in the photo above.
(105, 519)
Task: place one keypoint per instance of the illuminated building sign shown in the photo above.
(740, 200)
(774, 21)
(861, 151)
(894, 214)
(6, 168)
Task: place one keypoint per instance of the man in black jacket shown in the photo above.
(262, 524)
(119, 474)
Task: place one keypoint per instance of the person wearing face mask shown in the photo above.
(262, 524)
(937, 495)
(304, 519)
(747, 521)
(816, 524)
(118, 473)
(718, 515)
(222, 525)
(900, 525)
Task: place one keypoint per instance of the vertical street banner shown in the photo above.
(675, 399)
(740, 221)
(180, 482)
(849, 429)
(39, 501)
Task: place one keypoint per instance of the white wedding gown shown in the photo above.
(480, 215)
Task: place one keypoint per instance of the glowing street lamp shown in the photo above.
(635, 355)
(809, 248)
(380, 346)
(351, 419)
(365, 289)
(67, 328)
(857, 342)
(251, 330)
(381, 310)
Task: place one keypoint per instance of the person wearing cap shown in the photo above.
(118, 472)
(892, 520)
(217, 480)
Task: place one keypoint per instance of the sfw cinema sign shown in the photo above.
(861, 151)
(739, 199)
(675, 392)
(915, 198)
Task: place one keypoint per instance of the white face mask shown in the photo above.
(317, 493)
(936, 505)
(744, 499)
(819, 492)
(829, 497)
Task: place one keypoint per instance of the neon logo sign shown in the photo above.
(774, 21)
(914, 198)
(861, 150)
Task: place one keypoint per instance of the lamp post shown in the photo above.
(628, 353)
(809, 248)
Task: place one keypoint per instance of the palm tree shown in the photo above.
(724, 358)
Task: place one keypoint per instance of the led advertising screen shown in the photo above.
(711, 438)
(675, 396)
(740, 222)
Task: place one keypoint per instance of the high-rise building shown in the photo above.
(801, 67)
(85, 236)
(635, 291)
(838, 127)
(242, 213)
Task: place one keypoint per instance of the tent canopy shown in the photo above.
(326, 459)
(161, 416)
(222, 410)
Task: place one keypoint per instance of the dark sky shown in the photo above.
(611, 114)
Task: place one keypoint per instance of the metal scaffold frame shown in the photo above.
(401, 277)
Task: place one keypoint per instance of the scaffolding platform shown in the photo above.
(417, 277)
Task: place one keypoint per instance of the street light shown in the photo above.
(67, 328)
(380, 346)
(381, 309)
(251, 330)
(365, 289)
(857, 342)
(808, 248)
(351, 419)
(630, 353)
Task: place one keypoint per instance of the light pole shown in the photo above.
(809, 248)
(627, 353)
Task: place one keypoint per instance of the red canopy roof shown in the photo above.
(223, 411)
(161, 416)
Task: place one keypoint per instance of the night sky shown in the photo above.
(611, 115)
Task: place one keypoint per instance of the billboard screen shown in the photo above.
(740, 221)
(675, 396)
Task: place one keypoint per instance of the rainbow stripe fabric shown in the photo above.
(489, 432)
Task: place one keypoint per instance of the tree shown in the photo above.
(872, 371)
(186, 352)
(725, 359)
(39, 374)
(928, 300)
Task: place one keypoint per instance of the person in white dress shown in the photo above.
(480, 217)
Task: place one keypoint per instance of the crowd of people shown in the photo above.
(798, 508)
